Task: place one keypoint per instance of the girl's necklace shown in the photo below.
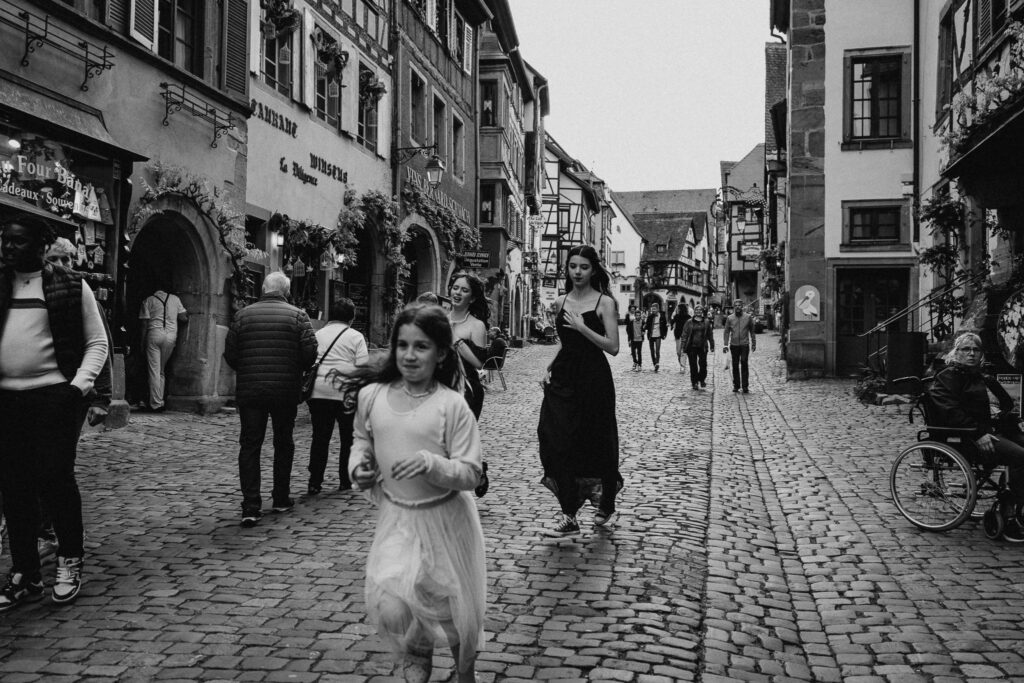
(459, 322)
(426, 393)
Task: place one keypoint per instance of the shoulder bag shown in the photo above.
(309, 378)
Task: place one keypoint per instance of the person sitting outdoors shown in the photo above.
(959, 398)
(496, 348)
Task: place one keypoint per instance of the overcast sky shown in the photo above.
(650, 94)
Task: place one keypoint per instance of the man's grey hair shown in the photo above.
(277, 283)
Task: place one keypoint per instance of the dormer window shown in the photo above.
(661, 248)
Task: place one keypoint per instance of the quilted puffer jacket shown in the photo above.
(270, 344)
(958, 397)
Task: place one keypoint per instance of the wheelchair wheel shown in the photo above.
(933, 486)
(993, 522)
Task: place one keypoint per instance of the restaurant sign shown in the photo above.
(439, 197)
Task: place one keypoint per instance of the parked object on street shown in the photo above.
(269, 345)
(937, 482)
(738, 340)
(578, 432)
(160, 315)
(417, 452)
(340, 349)
(53, 347)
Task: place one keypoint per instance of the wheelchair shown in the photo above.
(939, 482)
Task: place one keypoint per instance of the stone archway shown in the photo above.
(423, 253)
(177, 249)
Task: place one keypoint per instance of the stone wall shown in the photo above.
(805, 350)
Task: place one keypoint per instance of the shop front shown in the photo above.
(67, 169)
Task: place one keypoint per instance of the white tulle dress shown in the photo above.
(428, 547)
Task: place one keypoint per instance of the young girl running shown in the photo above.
(417, 450)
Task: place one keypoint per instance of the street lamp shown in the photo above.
(435, 169)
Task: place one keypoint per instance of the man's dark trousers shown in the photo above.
(698, 366)
(40, 429)
(254, 429)
(324, 414)
(740, 366)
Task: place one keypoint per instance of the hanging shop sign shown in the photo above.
(476, 259)
(437, 196)
(807, 304)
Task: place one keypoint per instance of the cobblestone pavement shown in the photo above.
(757, 542)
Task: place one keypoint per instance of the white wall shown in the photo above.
(624, 238)
(868, 174)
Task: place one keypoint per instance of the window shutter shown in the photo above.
(348, 100)
(236, 48)
(143, 22)
(117, 15)
(984, 21)
(467, 51)
(905, 223)
(847, 98)
(257, 41)
(306, 59)
(906, 104)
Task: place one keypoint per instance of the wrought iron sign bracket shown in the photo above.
(404, 154)
(177, 97)
(38, 31)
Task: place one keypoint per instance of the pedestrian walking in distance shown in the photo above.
(656, 327)
(739, 340)
(417, 451)
(469, 316)
(679, 318)
(579, 436)
(160, 315)
(635, 337)
(340, 349)
(269, 345)
(53, 346)
(697, 338)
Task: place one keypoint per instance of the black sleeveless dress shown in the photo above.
(578, 433)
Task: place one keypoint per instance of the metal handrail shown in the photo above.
(923, 301)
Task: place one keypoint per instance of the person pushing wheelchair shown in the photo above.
(959, 398)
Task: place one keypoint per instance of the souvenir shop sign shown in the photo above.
(39, 173)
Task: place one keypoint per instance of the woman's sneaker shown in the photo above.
(19, 589)
(69, 579)
(566, 526)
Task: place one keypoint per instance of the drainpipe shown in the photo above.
(916, 131)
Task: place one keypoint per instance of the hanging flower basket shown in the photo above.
(280, 18)
(371, 88)
(329, 53)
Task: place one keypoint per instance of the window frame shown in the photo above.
(417, 110)
(439, 129)
(332, 120)
(901, 242)
(903, 137)
(282, 87)
(458, 146)
(197, 34)
(367, 131)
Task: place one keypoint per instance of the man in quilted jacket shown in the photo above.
(270, 345)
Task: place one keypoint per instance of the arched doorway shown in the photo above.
(357, 284)
(419, 254)
(163, 257)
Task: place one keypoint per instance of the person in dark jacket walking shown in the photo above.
(270, 344)
(656, 327)
(696, 339)
(635, 336)
(679, 319)
(53, 347)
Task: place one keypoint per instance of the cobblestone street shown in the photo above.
(756, 542)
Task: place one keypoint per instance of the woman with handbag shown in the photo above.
(339, 350)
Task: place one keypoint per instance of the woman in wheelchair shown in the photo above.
(959, 398)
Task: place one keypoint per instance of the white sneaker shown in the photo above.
(69, 579)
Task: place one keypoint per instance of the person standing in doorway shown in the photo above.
(679, 318)
(739, 340)
(52, 349)
(269, 345)
(160, 315)
(635, 336)
(340, 348)
(656, 327)
(697, 339)
(577, 430)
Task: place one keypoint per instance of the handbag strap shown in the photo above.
(332, 345)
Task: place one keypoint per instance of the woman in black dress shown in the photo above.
(579, 436)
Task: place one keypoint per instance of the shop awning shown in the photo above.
(7, 202)
(64, 116)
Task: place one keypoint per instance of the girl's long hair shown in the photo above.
(600, 280)
(433, 321)
(479, 309)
